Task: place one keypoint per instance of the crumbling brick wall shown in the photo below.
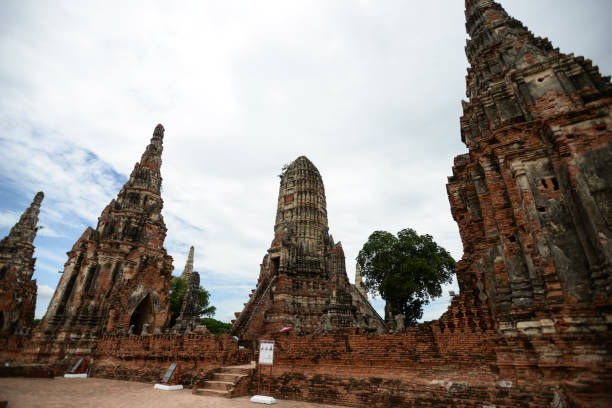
(145, 358)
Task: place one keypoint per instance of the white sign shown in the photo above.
(266, 352)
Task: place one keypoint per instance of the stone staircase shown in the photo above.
(256, 298)
(228, 382)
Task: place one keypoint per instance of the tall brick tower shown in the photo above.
(17, 288)
(533, 197)
(117, 276)
(303, 281)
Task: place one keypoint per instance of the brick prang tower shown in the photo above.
(533, 197)
(303, 282)
(17, 288)
(117, 276)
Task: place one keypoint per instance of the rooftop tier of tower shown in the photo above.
(24, 231)
(302, 210)
(136, 213)
(498, 43)
(517, 77)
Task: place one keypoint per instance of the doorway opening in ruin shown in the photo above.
(275, 265)
(142, 315)
(1, 320)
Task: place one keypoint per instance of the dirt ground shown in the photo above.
(97, 392)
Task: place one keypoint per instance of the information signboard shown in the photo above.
(266, 352)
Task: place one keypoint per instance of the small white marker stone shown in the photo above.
(263, 399)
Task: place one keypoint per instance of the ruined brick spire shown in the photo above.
(302, 281)
(530, 197)
(117, 276)
(498, 44)
(17, 288)
(138, 206)
(146, 173)
(25, 229)
(506, 78)
(188, 265)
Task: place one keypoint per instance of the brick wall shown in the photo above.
(459, 360)
(145, 358)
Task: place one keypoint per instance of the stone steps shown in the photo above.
(212, 393)
(224, 380)
(236, 370)
(219, 385)
(226, 377)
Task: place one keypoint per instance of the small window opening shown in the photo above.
(544, 184)
(555, 183)
(512, 238)
(275, 265)
(541, 209)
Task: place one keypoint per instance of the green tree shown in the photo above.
(178, 288)
(407, 271)
(215, 326)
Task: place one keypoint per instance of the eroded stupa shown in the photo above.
(303, 282)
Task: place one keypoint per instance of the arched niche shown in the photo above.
(143, 314)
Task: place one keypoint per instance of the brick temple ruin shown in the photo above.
(17, 288)
(117, 277)
(529, 328)
(303, 282)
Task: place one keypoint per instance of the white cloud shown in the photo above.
(8, 218)
(49, 232)
(44, 295)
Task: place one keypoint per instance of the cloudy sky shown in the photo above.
(368, 90)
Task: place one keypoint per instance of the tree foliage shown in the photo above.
(178, 288)
(407, 271)
(215, 326)
(283, 170)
